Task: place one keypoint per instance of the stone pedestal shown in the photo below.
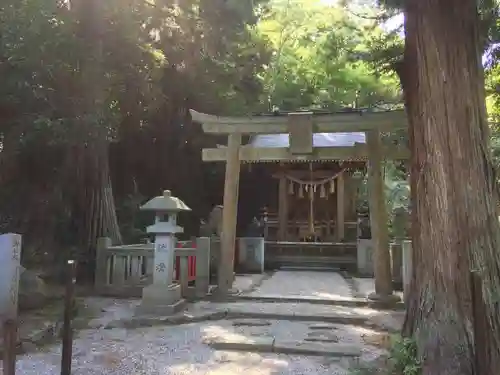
(365, 257)
(161, 300)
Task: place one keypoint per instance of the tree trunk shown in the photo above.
(455, 226)
(93, 192)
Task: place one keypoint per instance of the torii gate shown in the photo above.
(301, 126)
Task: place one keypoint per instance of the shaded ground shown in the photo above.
(184, 349)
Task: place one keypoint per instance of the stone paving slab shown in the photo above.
(306, 284)
(322, 336)
(316, 348)
(251, 323)
(269, 344)
(249, 344)
(322, 326)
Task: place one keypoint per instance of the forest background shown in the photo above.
(95, 97)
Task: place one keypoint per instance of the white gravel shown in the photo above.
(179, 350)
(304, 284)
(167, 351)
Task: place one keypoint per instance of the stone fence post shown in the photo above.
(202, 283)
(101, 274)
(10, 268)
(407, 266)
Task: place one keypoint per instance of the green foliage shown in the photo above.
(404, 358)
(132, 221)
(152, 60)
(317, 62)
(397, 193)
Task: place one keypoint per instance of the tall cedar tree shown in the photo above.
(454, 316)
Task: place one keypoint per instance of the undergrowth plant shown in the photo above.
(403, 359)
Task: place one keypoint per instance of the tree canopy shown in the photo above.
(94, 118)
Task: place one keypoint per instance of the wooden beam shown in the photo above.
(263, 154)
(340, 225)
(341, 122)
(378, 217)
(303, 174)
(229, 216)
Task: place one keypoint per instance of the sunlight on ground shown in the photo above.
(331, 296)
(216, 331)
(229, 363)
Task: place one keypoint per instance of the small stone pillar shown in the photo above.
(10, 268)
(163, 297)
(364, 247)
(407, 266)
(396, 261)
(400, 231)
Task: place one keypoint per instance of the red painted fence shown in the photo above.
(191, 260)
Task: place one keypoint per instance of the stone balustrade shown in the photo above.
(126, 269)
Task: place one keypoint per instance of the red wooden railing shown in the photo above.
(191, 261)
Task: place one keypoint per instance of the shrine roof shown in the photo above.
(319, 140)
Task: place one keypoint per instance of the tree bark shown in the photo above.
(455, 226)
(93, 190)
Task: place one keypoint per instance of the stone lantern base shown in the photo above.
(161, 300)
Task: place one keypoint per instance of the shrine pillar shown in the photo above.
(229, 215)
(378, 218)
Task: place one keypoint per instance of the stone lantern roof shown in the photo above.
(165, 203)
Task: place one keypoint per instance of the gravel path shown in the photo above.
(170, 351)
(305, 284)
(181, 350)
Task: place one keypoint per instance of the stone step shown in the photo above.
(304, 317)
(310, 267)
(272, 345)
(298, 312)
(243, 343)
(316, 348)
(360, 301)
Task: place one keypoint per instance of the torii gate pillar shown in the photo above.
(229, 216)
(378, 220)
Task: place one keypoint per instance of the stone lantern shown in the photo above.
(163, 296)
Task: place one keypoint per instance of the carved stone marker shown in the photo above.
(10, 267)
